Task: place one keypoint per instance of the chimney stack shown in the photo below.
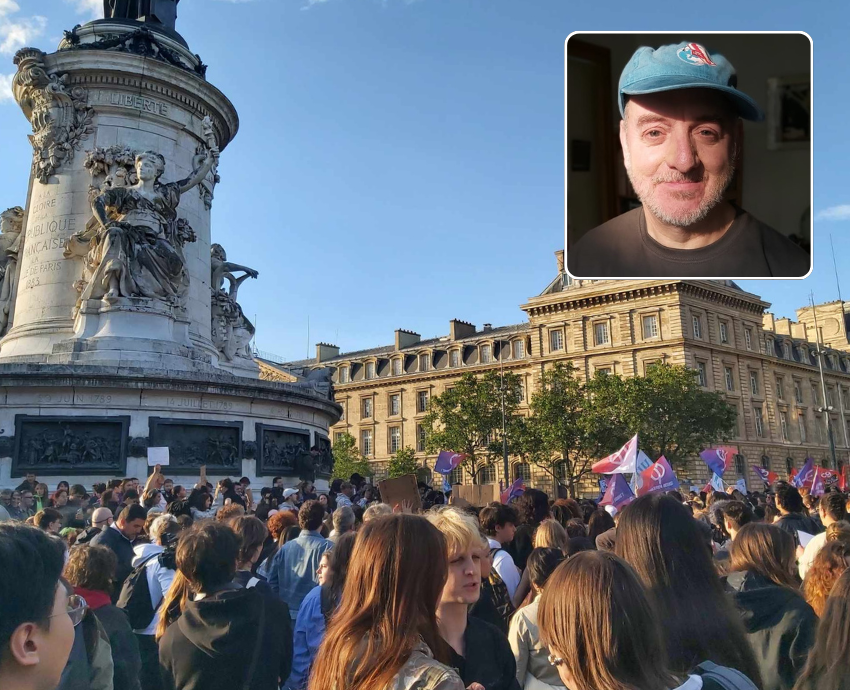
(460, 329)
(405, 339)
(487, 327)
(324, 352)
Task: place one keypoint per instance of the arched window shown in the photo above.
(456, 476)
(561, 470)
(522, 471)
(789, 465)
(740, 465)
(487, 474)
(765, 462)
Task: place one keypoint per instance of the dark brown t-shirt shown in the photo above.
(622, 248)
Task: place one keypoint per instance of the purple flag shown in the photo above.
(618, 494)
(804, 476)
(447, 461)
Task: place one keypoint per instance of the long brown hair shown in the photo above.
(389, 602)
(594, 613)
(657, 536)
(206, 558)
(831, 561)
(827, 667)
(766, 550)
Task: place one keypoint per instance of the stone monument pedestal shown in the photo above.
(121, 326)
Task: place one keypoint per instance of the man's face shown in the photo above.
(505, 533)
(54, 526)
(279, 483)
(31, 478)
(349, 491)
(132, 529)
(168, 485)
(43, 649)
(26, 499)
(678, 148)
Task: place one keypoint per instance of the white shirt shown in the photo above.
(816, 543)
(159, 580)
(504, 566)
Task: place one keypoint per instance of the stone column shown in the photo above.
(111, 85)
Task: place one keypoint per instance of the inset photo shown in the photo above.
(688, 155)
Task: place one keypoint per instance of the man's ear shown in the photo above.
(623, 143)
(26, 644)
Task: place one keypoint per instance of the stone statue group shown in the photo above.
(162, 11)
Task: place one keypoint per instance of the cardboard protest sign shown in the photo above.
(158, 456)
(401, 491)
(478, 494)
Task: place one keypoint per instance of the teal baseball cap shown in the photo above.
(683, 66)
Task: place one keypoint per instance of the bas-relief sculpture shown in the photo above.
(58, 113)
(231, 331)
(11, 234)
(193, 443)
(133, 245)
(70, 445)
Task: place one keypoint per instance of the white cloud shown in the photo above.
(6, 87)
(841, 212)
(17, 32)
(92, 8)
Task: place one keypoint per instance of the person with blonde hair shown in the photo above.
(376, 510)
(550, 534)
(479, 651)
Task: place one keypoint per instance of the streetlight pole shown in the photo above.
(825, 409)
(505, 467)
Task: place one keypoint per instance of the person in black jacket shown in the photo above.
(533, 508)
(90, 570)
(120, 537)
(790, 506)
(780, 624)
(225, 636)
(479, 651)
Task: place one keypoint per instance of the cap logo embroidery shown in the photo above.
(695, 54)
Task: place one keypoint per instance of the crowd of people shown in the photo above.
(169, 587)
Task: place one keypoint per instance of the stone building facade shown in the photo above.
(766, 367)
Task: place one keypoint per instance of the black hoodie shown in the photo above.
(780, 627)
(211, 645)
(794, 522)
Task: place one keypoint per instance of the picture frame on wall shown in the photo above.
(789, 112)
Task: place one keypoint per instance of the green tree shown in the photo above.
(348, 460)
(668, 409)
(402, 463)
(467, 418)
(556, 431)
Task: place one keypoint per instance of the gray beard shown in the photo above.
(708, 204)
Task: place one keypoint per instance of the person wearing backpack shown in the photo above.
(214, 633)
(144, 591)
(90, 570)
(499, 523)
(603, 632)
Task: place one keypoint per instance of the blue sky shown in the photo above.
(400, 163)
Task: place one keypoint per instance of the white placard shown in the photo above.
(158, 456)
(804, 538)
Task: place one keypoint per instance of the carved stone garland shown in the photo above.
(59, 114)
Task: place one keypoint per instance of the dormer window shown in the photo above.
(454, 358)
(397, 366)
(344, 374)
(485, 354)
(370, 370)
(519, 349)
(423, 362)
